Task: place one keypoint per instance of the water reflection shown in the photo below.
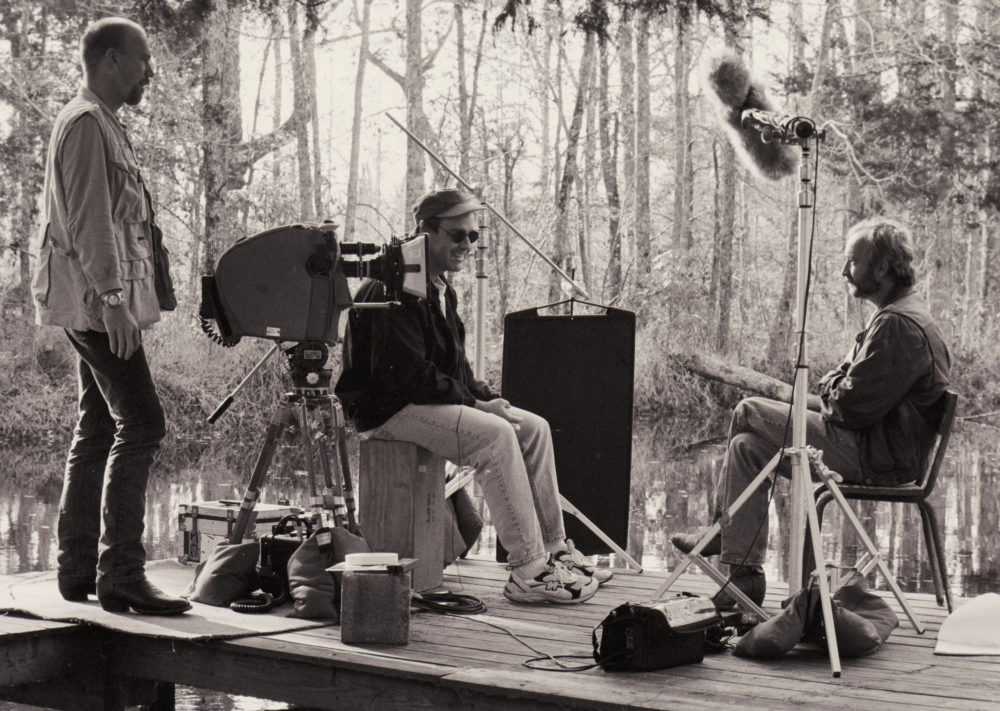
(671, 490)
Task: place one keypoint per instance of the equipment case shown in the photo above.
(204, 524)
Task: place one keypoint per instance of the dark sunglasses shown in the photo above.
(457, 236)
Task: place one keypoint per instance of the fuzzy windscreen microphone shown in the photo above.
(733, 90)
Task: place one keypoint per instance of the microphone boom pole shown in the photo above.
(497, 213)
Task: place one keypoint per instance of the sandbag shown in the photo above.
(315, 595)
(862, 620)
(227, 574)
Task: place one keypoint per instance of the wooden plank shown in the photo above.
(35, 653)
(401, 502)
(476, 662)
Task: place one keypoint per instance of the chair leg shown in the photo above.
(808, 559)
(932, 557)
(931, 518)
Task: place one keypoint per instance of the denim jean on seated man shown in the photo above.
(514, 466)
(103, 503)
(757, 432)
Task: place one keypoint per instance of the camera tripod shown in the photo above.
(318, 416)
(805, 461)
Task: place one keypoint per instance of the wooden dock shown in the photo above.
(476, 662)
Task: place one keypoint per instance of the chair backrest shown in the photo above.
(947, 404)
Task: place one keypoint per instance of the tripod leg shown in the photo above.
(872, 549)
(716, 527)
(279, 420)
(345, 467)
(332, 482)
(571, 509)
(824, 583)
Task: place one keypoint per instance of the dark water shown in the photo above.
(672, 487)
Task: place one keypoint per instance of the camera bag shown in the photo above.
(643, 637)
(276, 548)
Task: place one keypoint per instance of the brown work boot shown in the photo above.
(685, 543)
(750, 581)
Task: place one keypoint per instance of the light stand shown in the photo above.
(804, 461)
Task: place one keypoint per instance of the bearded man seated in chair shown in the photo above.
(876, 424)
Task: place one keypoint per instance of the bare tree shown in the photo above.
(626, 102)
(643, 224)
(609, 169)
(359, 83)
(563, 251)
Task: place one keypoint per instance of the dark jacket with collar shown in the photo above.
(888, 387)
(408, 354)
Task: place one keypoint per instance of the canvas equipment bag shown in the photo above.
(161, 262)
(226, 574)
(276, 548)
(315, 592)
(655, 636)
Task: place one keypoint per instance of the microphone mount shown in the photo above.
(774, 127)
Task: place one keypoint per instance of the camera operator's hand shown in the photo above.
(123, 332)
(501, 408)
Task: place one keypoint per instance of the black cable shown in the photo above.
(448, 602)
(256, 604)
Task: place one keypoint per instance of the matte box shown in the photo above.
(204, 524)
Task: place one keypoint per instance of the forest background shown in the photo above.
(582, 121)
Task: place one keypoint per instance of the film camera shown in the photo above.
(290, 283)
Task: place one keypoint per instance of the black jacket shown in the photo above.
(888, 386)
(408, 354)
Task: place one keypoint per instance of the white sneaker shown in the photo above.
(577, 562)
(554, 584)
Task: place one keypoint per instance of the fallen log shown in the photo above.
(722, 371)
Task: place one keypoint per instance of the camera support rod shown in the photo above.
(555, 267)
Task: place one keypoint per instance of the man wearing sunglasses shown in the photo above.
(406, 377)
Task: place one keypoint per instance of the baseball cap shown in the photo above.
(449, 202)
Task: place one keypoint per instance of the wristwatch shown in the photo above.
(112, 299)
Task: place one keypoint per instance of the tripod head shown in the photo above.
(306, 362)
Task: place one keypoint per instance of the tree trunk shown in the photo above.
(563, 253)
(414, 88)
(683, 178)
(302, 100)
(359, 83)
(545, 110)
(626, 99)
(309, 54)
(720, 370)
(585, 180)
(464, 125)
(221, 123)
(643, 223)
(609, 167)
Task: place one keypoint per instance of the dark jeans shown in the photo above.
(755, 436)
(103, 500)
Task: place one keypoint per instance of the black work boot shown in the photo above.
(76, 590)
(749, 580)
(142, 596)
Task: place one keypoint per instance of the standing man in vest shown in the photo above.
(879, 407)
(94, 279)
